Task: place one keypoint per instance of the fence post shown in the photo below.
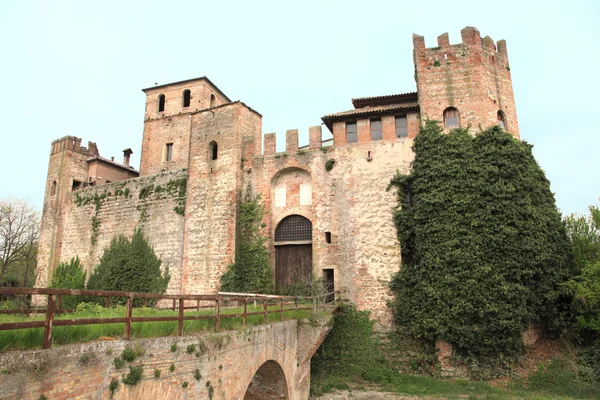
(59, 308)
(107, 302)
(129, 316)
(282, 312)
(145, 301)
(245, 309)
(180, 328)
(197, 305)
(296, 303)
(48, 325)
(173, 304)
(265, 307)
(315, 307)
(218, 311)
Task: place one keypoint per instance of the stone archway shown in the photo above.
(293, 251)
(268, 383)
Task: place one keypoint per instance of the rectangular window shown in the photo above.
(351, 132)
(169, 152)
(376, 132)
(401, 127)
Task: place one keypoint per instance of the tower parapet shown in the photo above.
(466, 84)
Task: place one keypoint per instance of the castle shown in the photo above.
(327, 211)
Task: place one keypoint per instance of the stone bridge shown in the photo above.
(261, 362)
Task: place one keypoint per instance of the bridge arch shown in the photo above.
(268, 383)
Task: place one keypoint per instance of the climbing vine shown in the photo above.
(484, 251)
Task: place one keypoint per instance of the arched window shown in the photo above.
(451, 119)
(212, 100)
(502, 120)
(161, 103)
(294, 228)
(186, 98)
(213, 150)
(53, 188)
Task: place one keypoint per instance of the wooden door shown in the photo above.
(293, 264)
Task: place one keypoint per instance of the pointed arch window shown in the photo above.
(502, 120)
(213, 101)
(161, 103)
(451, 118)
(187, 97)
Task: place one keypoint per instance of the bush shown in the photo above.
(130, 266)
(251, 272)
(134, 376)
(69, 276)
(484, 250)
(128, 354)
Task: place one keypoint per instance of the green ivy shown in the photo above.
(251, 272)
(484, 251)
(329, 164)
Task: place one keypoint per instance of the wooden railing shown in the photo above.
(55, 299)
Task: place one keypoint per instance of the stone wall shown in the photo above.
(226, 362)
(95, 215)
(351, 202)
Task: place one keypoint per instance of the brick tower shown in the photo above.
(466, 84)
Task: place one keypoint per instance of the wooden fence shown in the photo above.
(55, 297)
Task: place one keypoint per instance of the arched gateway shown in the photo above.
(293, 251)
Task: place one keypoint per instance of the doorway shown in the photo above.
(293, 251)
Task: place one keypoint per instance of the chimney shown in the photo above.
(126, 156)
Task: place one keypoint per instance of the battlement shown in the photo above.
(315, 140)
(470, 38)
(73, 143)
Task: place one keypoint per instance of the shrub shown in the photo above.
(197, 374)
(134, 376)
(69, 276)
(128, 354)
(484, 250)
(172, 367)
(114, 384)
(173, 348)
(251, 272)
(130, 266)
(191, 348)
(157, 373)
(118, 361)
(329, 164)
(185, 384)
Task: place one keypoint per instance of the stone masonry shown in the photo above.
(194, 133)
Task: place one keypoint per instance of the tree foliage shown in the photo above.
(19, 232)
(131, 266)
(69, 276)
(584, 234)
(251, 272)
(484, 251)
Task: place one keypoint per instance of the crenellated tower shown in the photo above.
(465, 84)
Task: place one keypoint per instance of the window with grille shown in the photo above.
(187, 97)
(501, 120)
(293, 229)
(451, 119)
(161, 103)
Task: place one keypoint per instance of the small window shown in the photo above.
(328, 237)
(53, 188)
(501, 120)
(76, 185)
(376, 132)
(451, 119)
(186, 98)
(169, 152)
(401, 127)
(213, 101)
(213, 150)
(161, 103)
(351, 132)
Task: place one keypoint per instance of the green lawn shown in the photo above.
(23, 339)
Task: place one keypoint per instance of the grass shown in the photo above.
(419, 385)
(22, 339)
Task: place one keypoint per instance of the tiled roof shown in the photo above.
(114, 163)
(390, 108)
(360, 102)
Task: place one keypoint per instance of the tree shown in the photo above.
(251, 272)
(19, 232)
(584, 286)
(484, 250)
(69, 276)
(130, 266)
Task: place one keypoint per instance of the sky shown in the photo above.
(77, 68)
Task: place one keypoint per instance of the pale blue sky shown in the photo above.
(77, 67)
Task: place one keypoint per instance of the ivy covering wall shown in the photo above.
(484, 251)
